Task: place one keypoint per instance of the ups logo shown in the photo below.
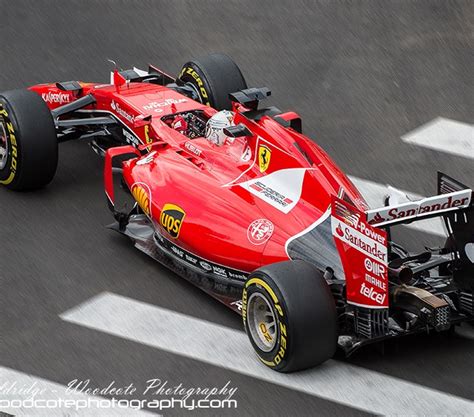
(171, 219)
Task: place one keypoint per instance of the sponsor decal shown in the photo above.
(424, 207)
(363, 252)
(157, 106)
(279, 354)
(177, 251)
(372, 294)
(264, 330)
(348, 216)
(376, 282)
(205, 266)
(10, 132)
(375, 267)
(121, 112)
(237, 304)
(271, 194)
(219, 270)
(148, 139)
(146, 159)
(259, 231)
(193, 149)
(202, 91)
(190, 259)
(238, 276)
(56, 98)
(246, 155)
(171, 219)
(281, 189)
(132, 139)
(264, 155)
(142, 194)
(360, 241)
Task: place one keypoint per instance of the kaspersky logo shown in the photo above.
(171, 219)
(57, 98)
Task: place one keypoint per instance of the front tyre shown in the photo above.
(213, 77)
(289, 315)
(28, 142)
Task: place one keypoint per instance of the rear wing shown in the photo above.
(452, 196)
(454, 203)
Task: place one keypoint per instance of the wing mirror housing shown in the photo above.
(237, 131)
(141, 121)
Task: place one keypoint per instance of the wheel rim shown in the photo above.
(261, 322)
(3, 145)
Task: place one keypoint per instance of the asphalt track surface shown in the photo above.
(361, 74)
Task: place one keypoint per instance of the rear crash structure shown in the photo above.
(389, 292)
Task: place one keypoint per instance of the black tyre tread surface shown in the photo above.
(310, 309)
(222, 75)
(36, 138)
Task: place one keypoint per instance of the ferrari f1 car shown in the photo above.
(266, 223)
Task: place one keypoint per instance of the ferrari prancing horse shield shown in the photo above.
(264, 155)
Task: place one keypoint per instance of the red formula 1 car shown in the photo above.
(262, 220)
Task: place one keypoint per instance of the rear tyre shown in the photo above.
(289, 315)
(214, 77)
(28, 142)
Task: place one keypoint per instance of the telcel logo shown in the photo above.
(171, 219)
(372, 294)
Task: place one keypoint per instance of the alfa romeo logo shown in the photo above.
(260, 231)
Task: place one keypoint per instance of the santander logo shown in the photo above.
(116, 107)
(370, 242)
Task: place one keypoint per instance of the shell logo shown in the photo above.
(141, 193)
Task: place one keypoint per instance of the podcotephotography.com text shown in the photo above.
(154, 394)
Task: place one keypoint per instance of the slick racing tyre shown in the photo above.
(289, 315)
(214, 77)
(28, 142)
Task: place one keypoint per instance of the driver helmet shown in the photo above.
(215, 127)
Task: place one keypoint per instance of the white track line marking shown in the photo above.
(53, 391)
(374, 194)
(444, 135)
(230, 349)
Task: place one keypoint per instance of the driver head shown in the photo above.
(215, 127)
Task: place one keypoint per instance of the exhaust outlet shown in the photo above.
(402, 275)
